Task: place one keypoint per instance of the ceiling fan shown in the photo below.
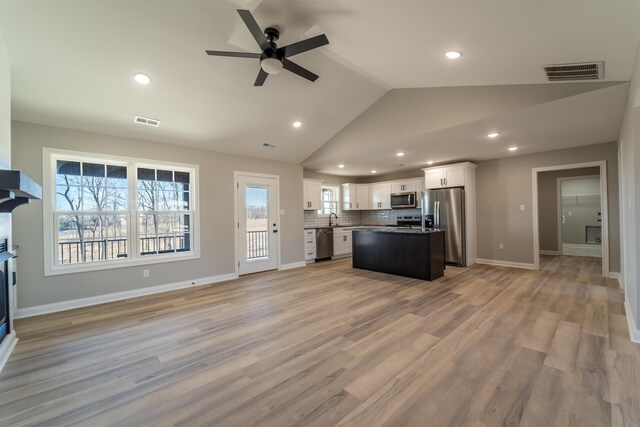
(273, 58)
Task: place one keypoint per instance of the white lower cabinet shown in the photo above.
(310, 245)
(341, 242)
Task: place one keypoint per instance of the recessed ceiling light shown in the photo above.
(430, 162)
(141, 78)
(399, 154)
(296, 124)
(374, 171)
(453, 54)
(341, 166)
(513, 148)
(493, 135)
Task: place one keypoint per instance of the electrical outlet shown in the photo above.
(501, 246)
(145, 273)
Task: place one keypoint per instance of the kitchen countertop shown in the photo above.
(401, 230)
(351, 226)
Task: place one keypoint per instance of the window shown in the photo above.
(104, 212)
(329, 199)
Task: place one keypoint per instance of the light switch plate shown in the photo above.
(521, 207)
(281, 211)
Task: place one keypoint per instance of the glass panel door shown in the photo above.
(257, 224)
(257, 217)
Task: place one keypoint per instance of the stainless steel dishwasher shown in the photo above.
(324, 243)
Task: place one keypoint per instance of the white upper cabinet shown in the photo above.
(434, 178)
(362, 196)
(405, 186)
(349, 197)
(445, 176)
(312, 194)
(355, 197)
(380, 196)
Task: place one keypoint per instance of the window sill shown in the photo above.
(108, 265)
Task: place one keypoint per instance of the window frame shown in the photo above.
(322, 202)
(134, 258)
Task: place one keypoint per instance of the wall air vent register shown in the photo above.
(576, 71)
(147, 121)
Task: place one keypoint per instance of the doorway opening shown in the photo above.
(580, 214)
(257, 219)
(570, 218)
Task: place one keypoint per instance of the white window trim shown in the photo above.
(49, 158)
(338, 189)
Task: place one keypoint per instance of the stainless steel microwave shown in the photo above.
(403, 200)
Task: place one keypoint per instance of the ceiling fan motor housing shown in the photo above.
(272, 34)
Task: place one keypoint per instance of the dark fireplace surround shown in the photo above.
(16, 189)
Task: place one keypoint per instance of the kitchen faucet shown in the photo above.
(332, 213)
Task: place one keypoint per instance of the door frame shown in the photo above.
(236, 218)
(604, 206)
(559, 203)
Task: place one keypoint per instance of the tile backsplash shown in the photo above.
(378, 217)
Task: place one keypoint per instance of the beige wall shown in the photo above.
(5, 157)
(326, 179)
(548, 204)
(504, 184)
(405, 174)
(629, 145)
(216, 215)
(338, 179)
(5, 108)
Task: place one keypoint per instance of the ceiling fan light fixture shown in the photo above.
(271, 65)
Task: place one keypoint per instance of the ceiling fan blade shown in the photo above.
(254, 28)
(234, 54)
(301, 71)
(303, 46)
(262, 76)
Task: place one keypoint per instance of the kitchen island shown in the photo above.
(403, 252)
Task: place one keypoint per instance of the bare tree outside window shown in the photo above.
(114, 211)
(90, 198)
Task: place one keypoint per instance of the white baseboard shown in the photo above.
(615, 275)
(553, 253)
(631, 321)
(292, 265)
(117, 296)
(6, 348)
(573, 249)
(501, 263)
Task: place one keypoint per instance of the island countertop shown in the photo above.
(408, 252)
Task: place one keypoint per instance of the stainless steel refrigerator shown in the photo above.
(444, 209)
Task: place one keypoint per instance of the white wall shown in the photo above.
(216, 215)
(629, 151)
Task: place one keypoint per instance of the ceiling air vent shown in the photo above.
(577, 71)
(147, 121)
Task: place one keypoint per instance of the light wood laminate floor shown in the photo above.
(329, 345)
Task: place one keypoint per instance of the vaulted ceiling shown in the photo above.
(73, 62)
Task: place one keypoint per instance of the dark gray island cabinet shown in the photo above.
(403, 252)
